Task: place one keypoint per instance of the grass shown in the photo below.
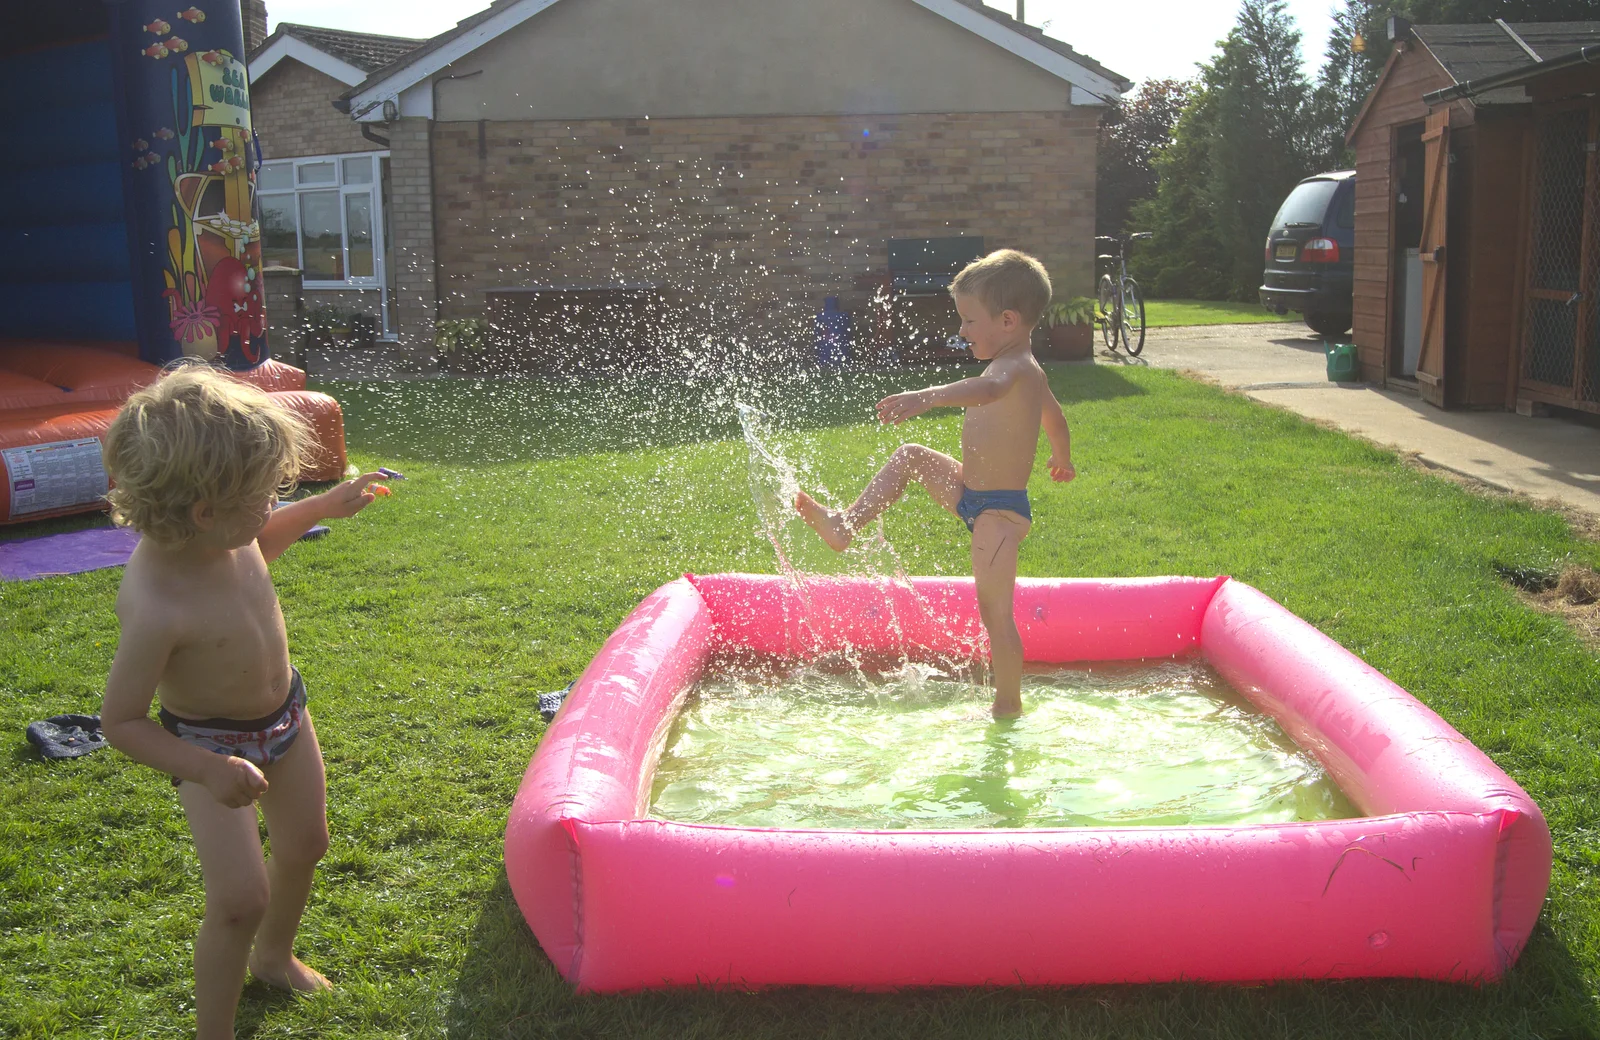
(1161, 313)
(536, 516)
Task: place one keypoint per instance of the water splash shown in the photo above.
(774, 481)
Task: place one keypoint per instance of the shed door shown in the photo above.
(1560, 359)
(1435, 207)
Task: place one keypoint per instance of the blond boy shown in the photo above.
(1000, 299)
(197, 460)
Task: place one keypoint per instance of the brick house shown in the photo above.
(734, 162)
(323, 185)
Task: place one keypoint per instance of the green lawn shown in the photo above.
(537, 515)
(1159, 313)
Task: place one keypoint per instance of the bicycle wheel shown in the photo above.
(1108, 314)
(1132, 317)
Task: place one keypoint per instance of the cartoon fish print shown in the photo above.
(141, 145)
(177, 45)
(213, 58)
(222, 144)
(236, 161)
(158, 27)
(155, 50)
(163, 134)
(193, 15)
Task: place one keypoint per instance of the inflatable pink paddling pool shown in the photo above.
(1442, 877)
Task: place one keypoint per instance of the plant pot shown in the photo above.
(1068, 343)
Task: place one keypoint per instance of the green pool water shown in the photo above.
(1168, 743)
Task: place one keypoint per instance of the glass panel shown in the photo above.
(320, 234)
(275, 177)
(358, 228)
(318, 173)
(358, 170)
(1306, 205)
(278, 246)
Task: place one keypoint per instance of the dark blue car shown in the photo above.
(1311, 253)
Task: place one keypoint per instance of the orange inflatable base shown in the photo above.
(57, 399)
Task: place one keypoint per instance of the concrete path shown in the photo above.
(1284, 365)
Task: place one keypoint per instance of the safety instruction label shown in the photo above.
(45, 477)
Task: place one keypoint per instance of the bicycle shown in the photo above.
(1120, 307)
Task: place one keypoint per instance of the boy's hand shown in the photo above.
(235, 782)
(351, 497)
(1061, 471)
(897, 408)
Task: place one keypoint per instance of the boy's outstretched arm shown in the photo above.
(142, 653)
(287, 523)
(1054, 422)
(963, 393)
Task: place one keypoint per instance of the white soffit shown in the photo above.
(288, 46)
(1086, 83)
(367, 106)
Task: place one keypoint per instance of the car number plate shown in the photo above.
(1285, 251)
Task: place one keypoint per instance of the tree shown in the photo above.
(1239, 147)
(1184, 259)
(1132, 132)
(1264, 134)
(1348, 75)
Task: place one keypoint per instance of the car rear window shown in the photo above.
(1307, 204)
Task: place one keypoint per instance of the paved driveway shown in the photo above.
(1284, 365)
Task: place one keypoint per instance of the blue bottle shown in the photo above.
(833, 335)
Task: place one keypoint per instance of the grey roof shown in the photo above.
(1471, 52)
(366, 51)
(468, 23)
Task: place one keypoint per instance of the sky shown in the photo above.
(1141, 39)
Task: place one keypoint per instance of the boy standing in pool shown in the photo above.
(1000, 299)
(197, 460)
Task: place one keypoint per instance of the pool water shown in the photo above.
(1166, 743)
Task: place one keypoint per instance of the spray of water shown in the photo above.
(774, 481)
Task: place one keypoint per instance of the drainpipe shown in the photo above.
(1020, 16)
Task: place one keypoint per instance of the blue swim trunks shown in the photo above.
(261, 741)
(975, 503)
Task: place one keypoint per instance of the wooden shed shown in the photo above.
(1477, 266)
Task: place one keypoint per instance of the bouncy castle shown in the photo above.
(128, 236)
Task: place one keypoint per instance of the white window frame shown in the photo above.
(373, 188)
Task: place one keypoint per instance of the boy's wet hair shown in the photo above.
(1006, 280)
(198, 435)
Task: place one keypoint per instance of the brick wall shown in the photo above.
(411, 231)
(759, 217)
(254, 15)
(292, 110)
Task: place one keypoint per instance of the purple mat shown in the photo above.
(69, 553)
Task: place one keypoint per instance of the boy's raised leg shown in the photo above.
(295, 805)
(934, 470)
(229, 844)
(995, 538)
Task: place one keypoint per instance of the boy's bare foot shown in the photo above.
(292, 976)
(1009, 709)
(828, 523)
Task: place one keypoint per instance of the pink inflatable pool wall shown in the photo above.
(1442, 878)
